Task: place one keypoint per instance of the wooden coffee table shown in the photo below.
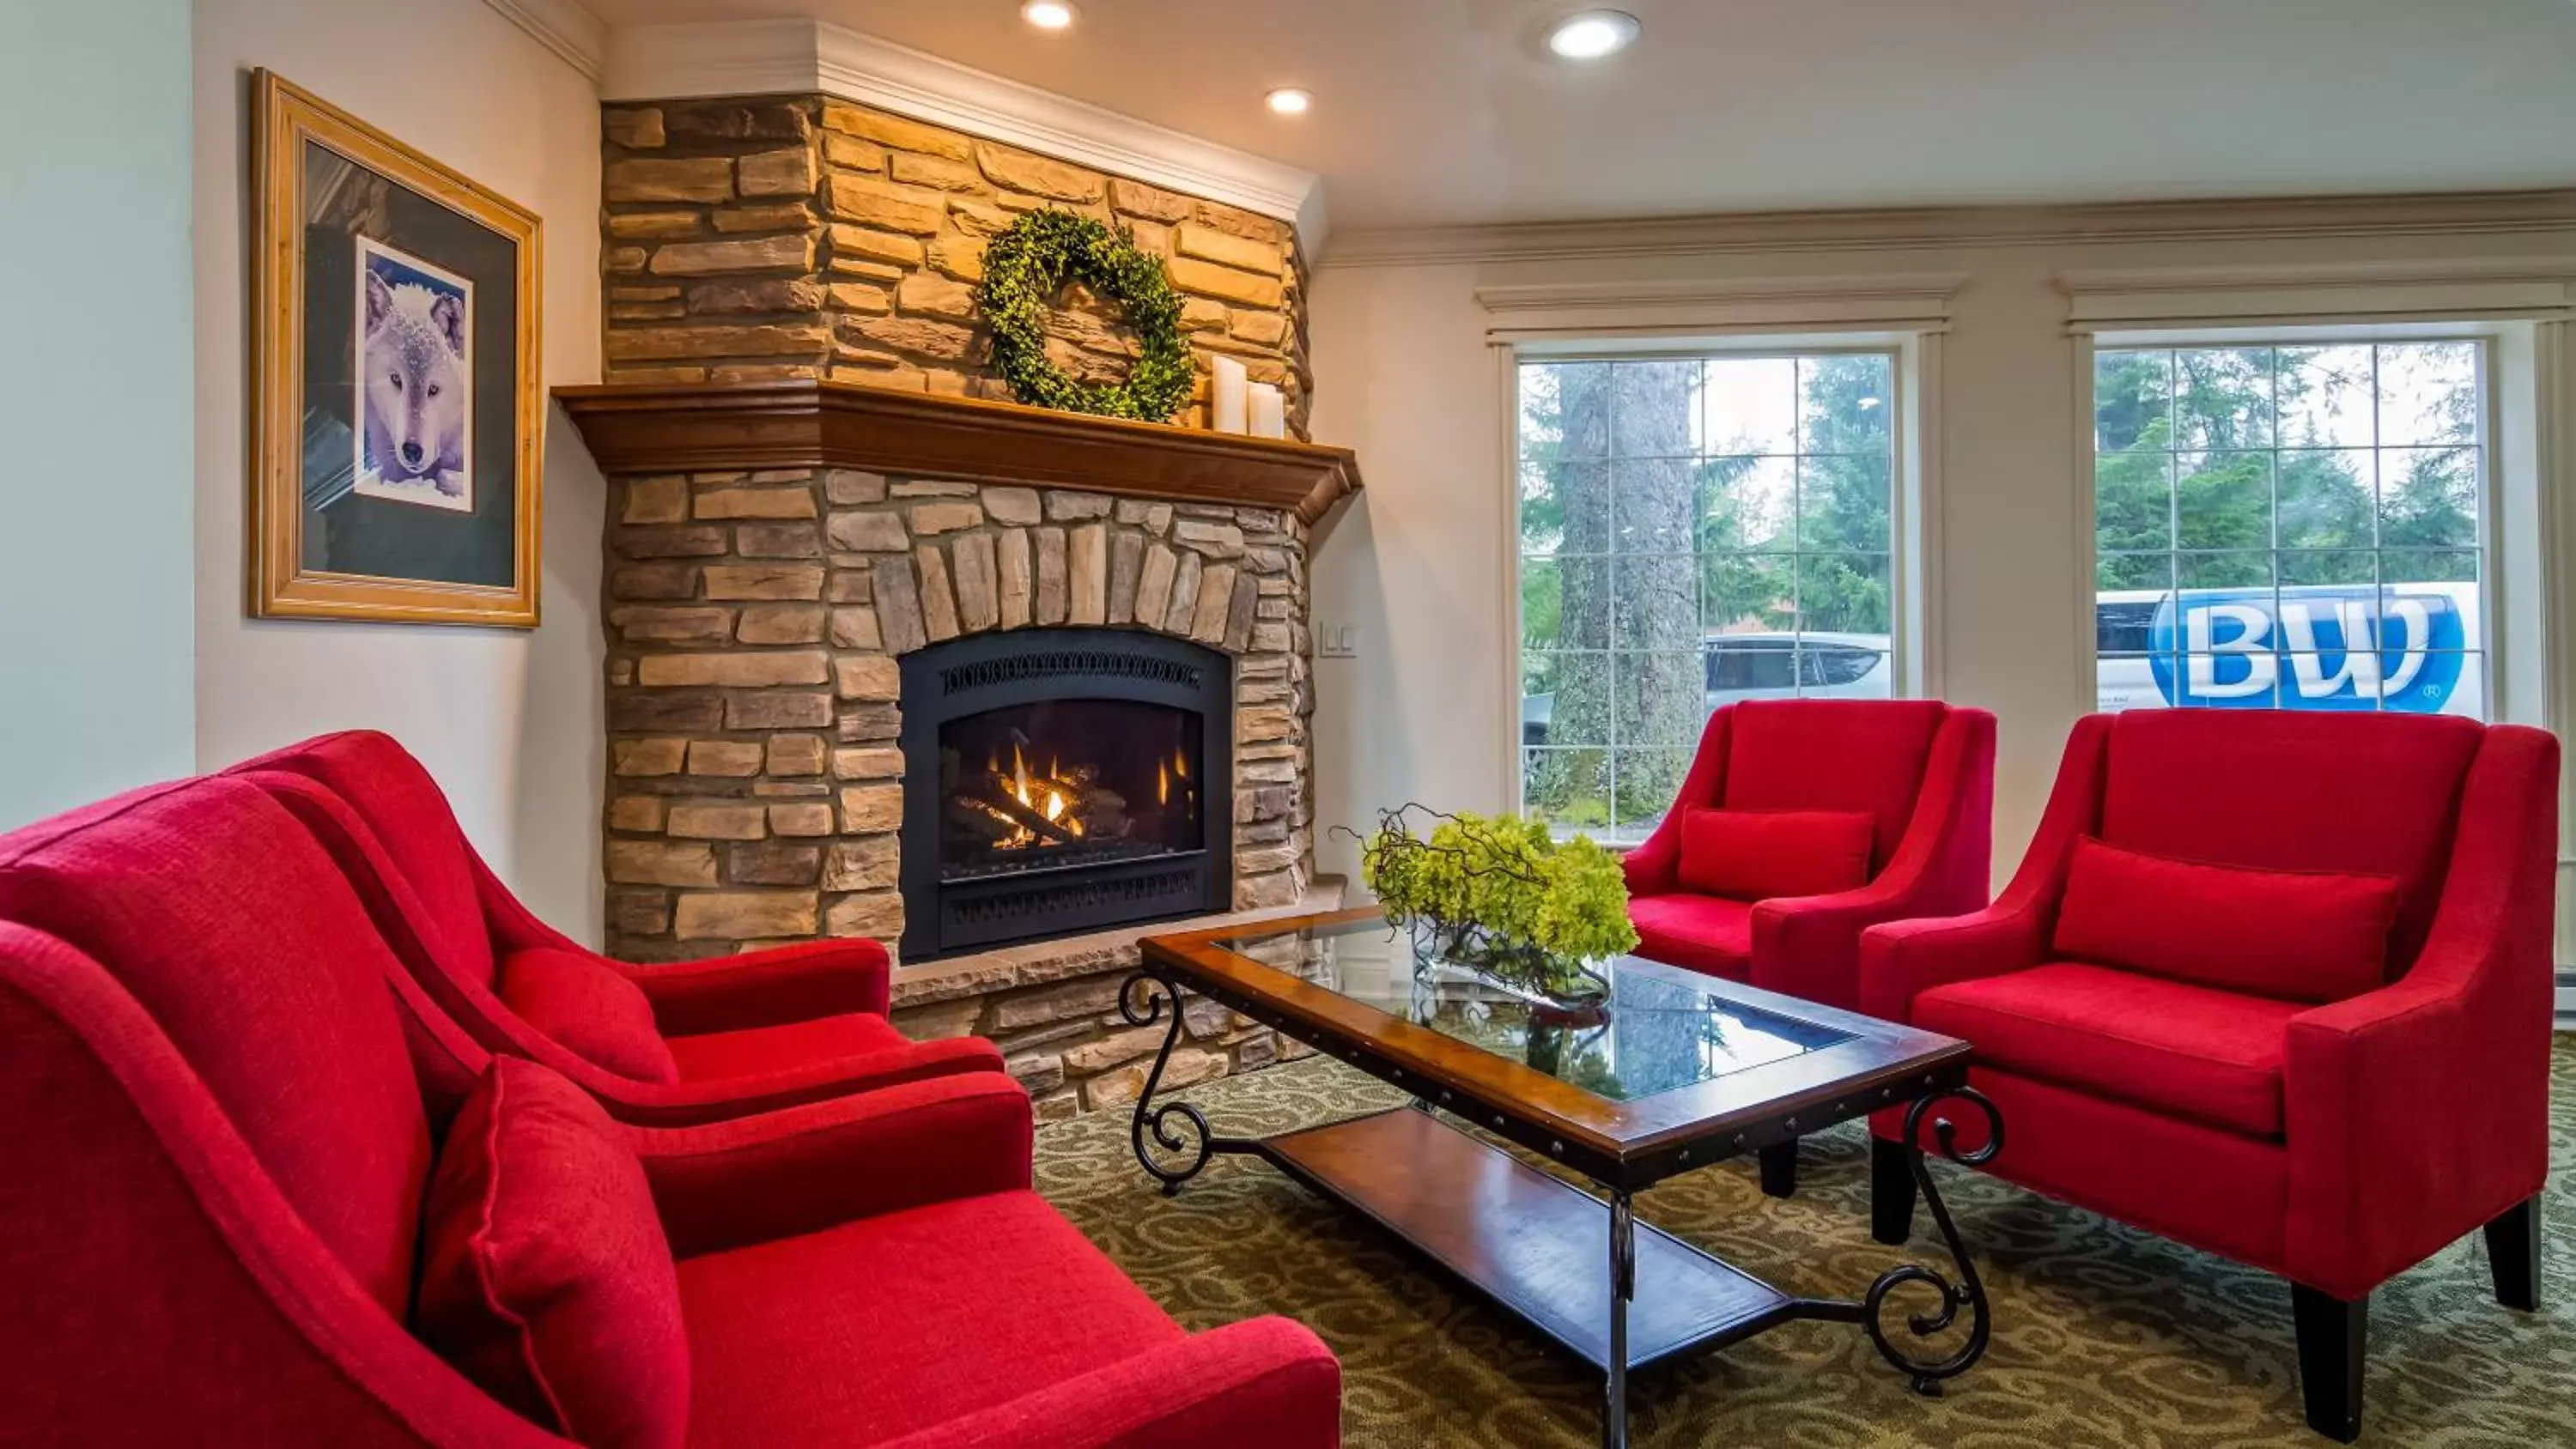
(1681, 1070)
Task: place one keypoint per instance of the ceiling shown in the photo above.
(1440, 112)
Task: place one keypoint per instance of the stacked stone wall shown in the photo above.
(788, 237)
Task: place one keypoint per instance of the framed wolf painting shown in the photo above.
(397, 405)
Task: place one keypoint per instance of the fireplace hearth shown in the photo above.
(1055, 781)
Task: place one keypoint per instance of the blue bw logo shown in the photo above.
(2313, 648)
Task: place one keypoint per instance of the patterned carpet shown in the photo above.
(2103, 1336)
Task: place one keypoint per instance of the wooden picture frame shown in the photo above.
(397, 404)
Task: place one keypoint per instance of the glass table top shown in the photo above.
(1662, 1028)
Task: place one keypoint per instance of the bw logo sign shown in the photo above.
(2312, 648)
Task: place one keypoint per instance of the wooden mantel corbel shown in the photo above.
(715, 427)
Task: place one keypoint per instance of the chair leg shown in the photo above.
(1780, 1168)
(1891, 1191)
(2513, 1254)
(2331, 1334)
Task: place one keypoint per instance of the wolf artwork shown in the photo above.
(415, 381)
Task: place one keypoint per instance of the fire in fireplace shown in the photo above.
(1067, 782)
(1063, 780)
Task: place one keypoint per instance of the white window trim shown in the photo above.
(2525, 307)
(1914, 473)
(2332, 294)
(1712, 307)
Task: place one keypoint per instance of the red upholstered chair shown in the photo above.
(1921, 772)
(2327, 1060)
(689, 1041)
(210, 1221)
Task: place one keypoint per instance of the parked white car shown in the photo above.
(1768, 666)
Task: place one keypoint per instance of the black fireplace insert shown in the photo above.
(1058, 781)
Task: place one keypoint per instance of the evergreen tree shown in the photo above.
(1660, 673)
(2206, 461)
(1845, 494)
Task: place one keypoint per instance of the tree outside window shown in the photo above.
(1693, 530)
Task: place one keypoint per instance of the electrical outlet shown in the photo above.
(1337, 641)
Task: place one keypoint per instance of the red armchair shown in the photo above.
(708, 1039)
(1922, 771)
(2333, 1134)
(210, 1222)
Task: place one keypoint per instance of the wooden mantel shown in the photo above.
(696, 428)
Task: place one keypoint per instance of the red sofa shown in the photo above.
(2334, 1059)
(1921, 770)
(658, 1045)
(211, 1223)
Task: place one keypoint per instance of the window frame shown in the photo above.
(2494, 599)
(1912, 364)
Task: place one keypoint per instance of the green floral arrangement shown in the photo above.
(1499, 895)
(1028, 264)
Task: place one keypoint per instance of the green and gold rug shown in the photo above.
(2104, 1336)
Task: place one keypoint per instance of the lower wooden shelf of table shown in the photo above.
(1533, 1243)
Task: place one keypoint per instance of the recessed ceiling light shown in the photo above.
(1592, 34)
(1048, 14)
(1290, 101)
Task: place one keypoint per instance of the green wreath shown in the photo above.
(1027, 265)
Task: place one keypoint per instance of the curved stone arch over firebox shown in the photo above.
(977, 557)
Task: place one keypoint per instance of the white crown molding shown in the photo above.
(2461, 289)
(1932, 228)
(732, 58)
(1890, 301)
(666, 62)
(563, 27)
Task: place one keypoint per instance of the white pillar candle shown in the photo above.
(1225, 395)
(1268, 411)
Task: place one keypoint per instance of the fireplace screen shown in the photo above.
(1067, 783)
(1063, 780)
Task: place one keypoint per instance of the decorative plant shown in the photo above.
(1028, 264)
(1498, 894)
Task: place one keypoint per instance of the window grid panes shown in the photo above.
(2290, 527)
(1693, 530)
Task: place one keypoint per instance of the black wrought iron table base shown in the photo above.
(1661, 1300)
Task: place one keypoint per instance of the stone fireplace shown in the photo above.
(989, 723)
(890, 656)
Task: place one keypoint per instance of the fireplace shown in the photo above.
(953, 675)
(1062, 780)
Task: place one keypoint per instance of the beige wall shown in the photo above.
(508, 721)
(1417, 561)
(1421, 565)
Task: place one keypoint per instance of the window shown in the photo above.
(1693, 530)
(2293, 527)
